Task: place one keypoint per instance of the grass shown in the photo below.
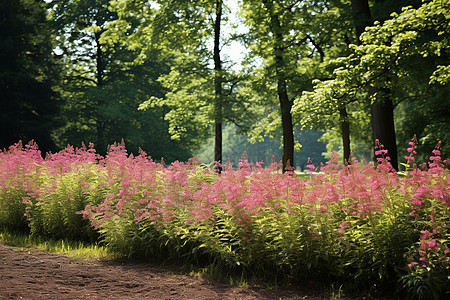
(87, 251)
(65, 247)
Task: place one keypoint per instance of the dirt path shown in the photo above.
(36, 274)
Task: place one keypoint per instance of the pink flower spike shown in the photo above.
(436, 152)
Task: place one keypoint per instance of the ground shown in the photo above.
(36, 274)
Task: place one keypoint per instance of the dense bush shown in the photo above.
(362, 224)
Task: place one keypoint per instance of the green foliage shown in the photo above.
(57, 213)
(12, 210)
(310, 34)
(197, 93)
(28, 75)
(401, 55)
(105, 82)
(373, 250)
(429, 268)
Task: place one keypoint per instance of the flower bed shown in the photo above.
(360, 224)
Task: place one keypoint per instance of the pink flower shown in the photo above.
(425, 235)
(432, 244)
(421, 191)
(381, 152)
(344, 225)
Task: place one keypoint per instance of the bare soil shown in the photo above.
(36, 274)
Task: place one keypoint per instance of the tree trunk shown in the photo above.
(382, 109)
(98, 60)
(361, 16)
(285, 103)
(218, 103)
(345, 128)
(383, 125)
(100, 123)
(286, 120)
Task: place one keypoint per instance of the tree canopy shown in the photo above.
(411, 46)
(28, 75)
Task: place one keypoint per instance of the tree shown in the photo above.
(198, 94)
(270, 24)
(28, 75)
(295, 39)
(280, 65)
(104, 86)
(380, 62)
(79, 25)
(382, 107)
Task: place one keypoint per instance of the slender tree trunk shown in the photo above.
(361, 17)
(345, 129)
(285, 103)
(286, 120)
(99, 60)
(382, 109)
(100, 124)
(218, 103)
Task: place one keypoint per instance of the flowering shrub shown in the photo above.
(19, 183)
(45, 196)
(361, 223)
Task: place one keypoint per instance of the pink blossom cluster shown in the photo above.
(381, 153)
(430, 251)
(27, 177)
(411, 150)
(20, 173)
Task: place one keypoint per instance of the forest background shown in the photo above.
(311, 77)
